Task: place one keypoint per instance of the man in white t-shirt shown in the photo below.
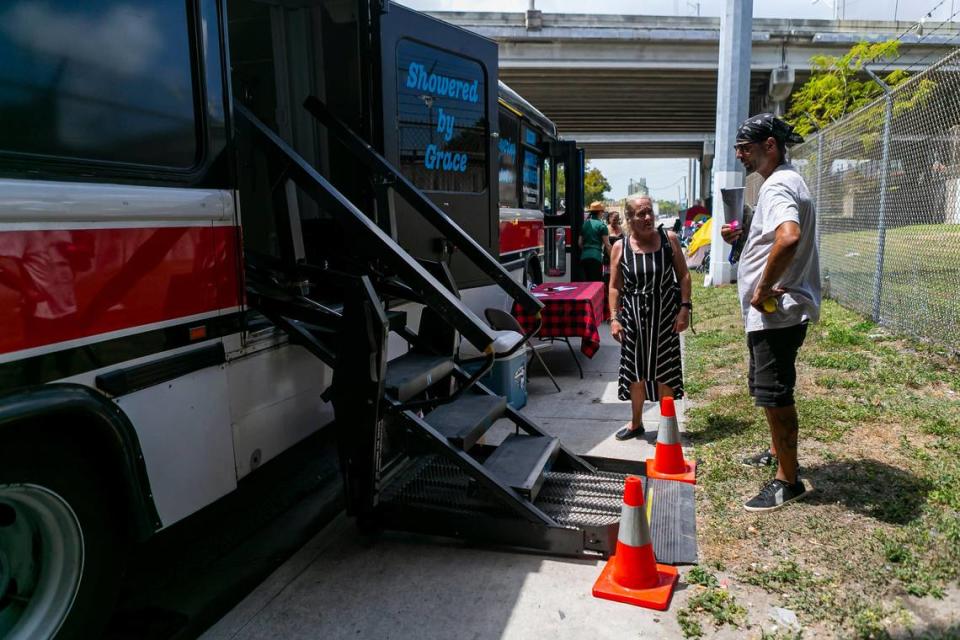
(778, 280)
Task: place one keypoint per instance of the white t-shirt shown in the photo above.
(784, 197)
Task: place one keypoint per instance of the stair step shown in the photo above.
(413, 372)
(467, 418)
(397, 319)
(521, 461)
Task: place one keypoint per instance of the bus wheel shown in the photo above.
(60, 552)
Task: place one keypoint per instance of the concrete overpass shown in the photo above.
(645, 86)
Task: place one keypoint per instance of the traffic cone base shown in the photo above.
(632, 575)
(655, 597)
(689, 473)
(668, 462)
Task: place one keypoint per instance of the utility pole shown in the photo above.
(733, 95)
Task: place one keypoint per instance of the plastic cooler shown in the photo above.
(508, 376)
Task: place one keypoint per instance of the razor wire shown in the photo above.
(886, 182)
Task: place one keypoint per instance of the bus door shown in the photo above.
(563, 205)
(439, 85)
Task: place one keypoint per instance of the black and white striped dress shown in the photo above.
(649, 303)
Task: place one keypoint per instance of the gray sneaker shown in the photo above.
(775, 494)
(762, 459)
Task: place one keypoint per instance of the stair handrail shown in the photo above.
(423, 205)
(327, 196)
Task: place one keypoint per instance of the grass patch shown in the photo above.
(845, 361)
(879, 442)
(690, 627)
(786, 574)
(701, 576)
(714, 603)
(831, 381)
(781, 635)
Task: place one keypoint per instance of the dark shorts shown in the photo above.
(773, 364)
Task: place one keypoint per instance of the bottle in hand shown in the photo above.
(737, 247)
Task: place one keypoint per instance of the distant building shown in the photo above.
(637, 187)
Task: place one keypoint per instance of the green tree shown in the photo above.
(668, 208)
(838, 85)
(595, 185)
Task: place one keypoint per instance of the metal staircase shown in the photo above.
(411, 430)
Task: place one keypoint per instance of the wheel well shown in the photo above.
(94, 429)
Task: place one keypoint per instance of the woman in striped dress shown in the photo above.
(650, 306)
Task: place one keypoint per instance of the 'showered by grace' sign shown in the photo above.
(441, 112)
(440, 85)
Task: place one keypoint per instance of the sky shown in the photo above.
(820, 9)
(663, 176)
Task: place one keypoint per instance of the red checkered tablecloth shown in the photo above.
(571, 310)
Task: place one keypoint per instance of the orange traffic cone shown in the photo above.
(668, 462)
(632, 575)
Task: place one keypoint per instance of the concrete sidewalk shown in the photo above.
(586, 413)
(405, 586)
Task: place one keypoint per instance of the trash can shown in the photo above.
(555, 251)
(508, 375)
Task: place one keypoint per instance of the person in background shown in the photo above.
(778, 280)
(649, 308)
(614, 234)
(614, 231)
(594, 243)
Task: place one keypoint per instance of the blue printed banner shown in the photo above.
(441, 119)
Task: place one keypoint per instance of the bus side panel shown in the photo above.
(83, 263)
(184, 431)
(275, 402)
(111, 277)
(521, 230)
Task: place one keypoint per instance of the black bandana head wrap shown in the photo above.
(766, 125)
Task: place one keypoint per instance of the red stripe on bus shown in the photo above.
(518, 235)
(64, 284)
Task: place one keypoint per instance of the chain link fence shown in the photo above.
(886, 181)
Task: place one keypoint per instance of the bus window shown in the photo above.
(507, 145)
(561, 189)
(531, 169)
(530, 137)
(441, 119)
(101, 80)
(547, 187)
(531, 179)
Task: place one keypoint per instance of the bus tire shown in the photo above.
(56, 506)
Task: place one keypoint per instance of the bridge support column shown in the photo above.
(733, 94)
(706, 171)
